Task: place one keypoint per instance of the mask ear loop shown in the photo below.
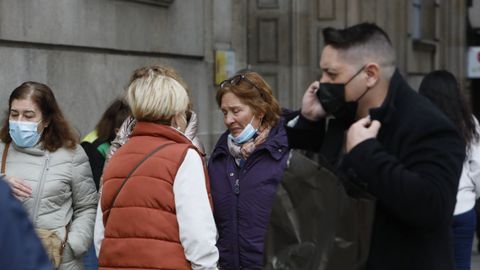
(364, 93)
(251, 121)
(45, 126)
(260, 124)
(358, 72)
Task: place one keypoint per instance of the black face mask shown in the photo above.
(332, 98)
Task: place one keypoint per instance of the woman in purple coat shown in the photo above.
(245, 168)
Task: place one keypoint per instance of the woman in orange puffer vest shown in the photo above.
(155, 197)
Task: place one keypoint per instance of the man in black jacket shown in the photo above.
(380, 134)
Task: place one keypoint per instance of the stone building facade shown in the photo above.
(86, 49)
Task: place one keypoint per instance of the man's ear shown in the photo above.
(373, 74)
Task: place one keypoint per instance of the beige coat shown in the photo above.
(62, 191)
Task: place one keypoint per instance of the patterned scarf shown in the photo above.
(241, 152)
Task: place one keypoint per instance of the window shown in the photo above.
(425, 14)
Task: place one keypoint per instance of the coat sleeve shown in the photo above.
(99, 231)
(418, 188)
(84, 203)
(303, 133)
(198, 233)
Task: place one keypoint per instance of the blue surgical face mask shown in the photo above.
(24, 134)
(247, 133)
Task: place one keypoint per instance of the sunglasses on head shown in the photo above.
(235, 80)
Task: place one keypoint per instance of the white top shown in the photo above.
(198, 233)
(469, 185)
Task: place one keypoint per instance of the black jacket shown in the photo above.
(412, 168)
(96, 160)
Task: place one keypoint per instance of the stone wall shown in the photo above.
(85, 50)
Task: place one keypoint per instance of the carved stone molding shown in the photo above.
(272, 80)
(267, 40)
(268, 4)
(162, 3)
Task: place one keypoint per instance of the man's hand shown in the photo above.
(20, 188)
(311, 107)
(360, 131)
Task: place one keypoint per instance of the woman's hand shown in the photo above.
(20, 188)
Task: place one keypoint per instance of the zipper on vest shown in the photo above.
(38, 198)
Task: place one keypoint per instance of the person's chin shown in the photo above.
(234, 132)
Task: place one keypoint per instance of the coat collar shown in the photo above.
(159, 130)
(385, 112)
(37, 150)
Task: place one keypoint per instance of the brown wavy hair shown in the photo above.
(111, 120)
(255, 92)
(57, 132)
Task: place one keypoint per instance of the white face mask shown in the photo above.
(24, 134)
(247, 133)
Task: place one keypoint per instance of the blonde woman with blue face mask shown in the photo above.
(49, 173)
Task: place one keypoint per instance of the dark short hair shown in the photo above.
(361, 43)
(355, 35)
(58, 133)
(442, 89)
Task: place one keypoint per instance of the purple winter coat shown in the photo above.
(242, 198)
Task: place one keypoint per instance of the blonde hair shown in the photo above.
(157, 94)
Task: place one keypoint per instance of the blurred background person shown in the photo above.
(245, 168)
(442, 89)
(49, 172)
(97, 149)
(105, 132)
(158, 182)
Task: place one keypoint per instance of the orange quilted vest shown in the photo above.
(142, 230)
